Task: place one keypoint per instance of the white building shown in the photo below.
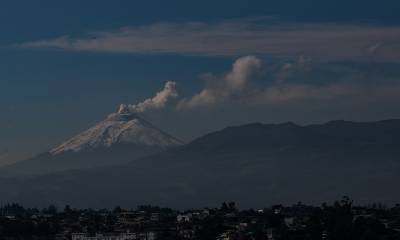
(122, 236)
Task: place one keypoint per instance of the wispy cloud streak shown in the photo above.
(241, 37)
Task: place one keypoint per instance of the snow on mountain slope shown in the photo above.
(121, 127)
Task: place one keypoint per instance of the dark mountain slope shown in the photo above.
(254, 164)
(46, 163)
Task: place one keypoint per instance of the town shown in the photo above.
(340, 220)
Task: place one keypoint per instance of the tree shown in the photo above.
(338, 219)
(51, 210)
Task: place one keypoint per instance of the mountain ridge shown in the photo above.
(251, 164)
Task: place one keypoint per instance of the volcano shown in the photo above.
(120, 138)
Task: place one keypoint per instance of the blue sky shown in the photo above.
(65, 65)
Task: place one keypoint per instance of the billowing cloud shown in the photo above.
(226, 87)
(319, 41)
(237, 87)
(158, 101)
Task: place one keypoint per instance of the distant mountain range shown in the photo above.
(255, 165)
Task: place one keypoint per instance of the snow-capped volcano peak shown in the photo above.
(122, 127)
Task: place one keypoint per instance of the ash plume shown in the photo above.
(157, 102)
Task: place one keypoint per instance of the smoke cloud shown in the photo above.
(158, 101)
(279, 87)
(226, 87)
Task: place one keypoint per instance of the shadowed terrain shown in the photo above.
(254, 164)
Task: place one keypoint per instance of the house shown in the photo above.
(184, 217)
(106, 236)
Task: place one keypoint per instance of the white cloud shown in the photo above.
(158, 101)
(242, 37)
